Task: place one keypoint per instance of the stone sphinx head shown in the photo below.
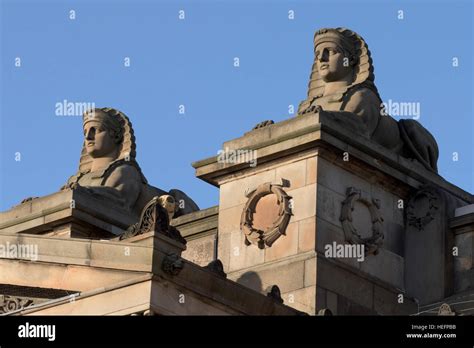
(103, 134)
(339, 55)
(107, 134)
(335, 56)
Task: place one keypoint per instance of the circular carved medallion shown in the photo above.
(266, 215)
(352, 235)
(422, 208)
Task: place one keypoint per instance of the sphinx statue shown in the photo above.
(342, 85)
(108, 167)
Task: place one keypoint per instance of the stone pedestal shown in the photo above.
(343, 189)
(70, 213)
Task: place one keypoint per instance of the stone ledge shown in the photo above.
(197, 224)
(314, 130)
(45, 214)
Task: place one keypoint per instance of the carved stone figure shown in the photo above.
(342, 84)
(108, 168)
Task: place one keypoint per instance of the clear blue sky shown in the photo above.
(190, 62)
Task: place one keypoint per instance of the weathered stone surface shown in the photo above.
(287, 274)
(242, 255)
(73, 211)
(201, 251)
(464, 261)
(338, 179)
(294, 172)
(302, 299)
(341, 281)
(285, 246)
(232, 193)
(348, 307)
(310, 272)
(394, 238)
(304, 202)
(465, 210)
(266, 212)
(429, 271)
(327, 234)
(307, 235)
(329, 205)
(386, 266)
(392, 303)
(311, 170)
(59, 276)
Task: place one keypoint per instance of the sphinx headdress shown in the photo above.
(355, 45)
(119, 123)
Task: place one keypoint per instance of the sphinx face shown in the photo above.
(330, 62)
(99, 141)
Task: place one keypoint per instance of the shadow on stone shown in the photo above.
(251, 280)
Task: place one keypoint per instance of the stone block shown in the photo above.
(464, 243)
(387, 202)
(310, 271)
(327, 234)
(399, 210)
(394, 235)
(348, 307)
(307, 234)
(338, 179)
(329, 205)
(232, 193)
(288, 275)
(464, 261)
(387, 302)
(341, 281)
(304, 202)
(241, 255)
(200, 250)
(311, 170)
(224, 249)
(121, 256)
(229, 220)
(294, 172)
(302, 299)
(386, 266)
(284, 246)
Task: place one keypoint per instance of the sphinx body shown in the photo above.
(108, 167)
(342, 84)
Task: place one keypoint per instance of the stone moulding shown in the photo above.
(351, 235)
(154, 218)
(417, 220)
(12, 303)
(265, 238)
(172, 264)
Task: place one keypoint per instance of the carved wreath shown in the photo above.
(373, 242)
(265, 238)
(420, 222)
